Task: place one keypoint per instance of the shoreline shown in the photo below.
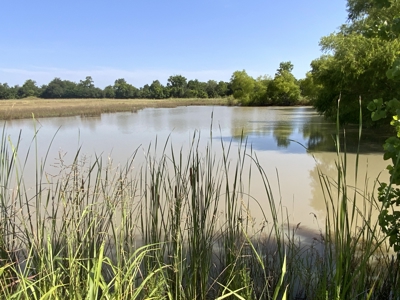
(47, 108)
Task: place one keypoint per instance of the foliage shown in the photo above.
(223, 89)
(124, 90)
(7, 92)
(109, 92)
(389, 194)
(58, 88)
(356, 60)
(197, 89)
(389, 217)
(259, 95)
(157, 90)
(177, 87)
(86, 89)
(358, 67)
(285, 66)
(309, 88)
(242, 86)
(212, 89)
(284, 89)
(374, 18)
(29, 89)
(144, 92)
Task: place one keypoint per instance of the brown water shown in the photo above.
(290, 143)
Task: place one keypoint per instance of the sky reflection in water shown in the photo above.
(270, 131)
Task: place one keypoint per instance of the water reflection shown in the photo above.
(362, 177)
(290, 143)
(279, 127)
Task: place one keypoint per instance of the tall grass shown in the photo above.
(45, 108)
(180, 227)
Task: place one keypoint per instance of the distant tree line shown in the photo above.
(359, 61)
(177, 87)
(283, 89)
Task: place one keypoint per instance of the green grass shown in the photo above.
(180, 228)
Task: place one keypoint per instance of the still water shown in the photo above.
(290, 143)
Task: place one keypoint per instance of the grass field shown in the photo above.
(43, 108)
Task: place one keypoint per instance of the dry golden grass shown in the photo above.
(43, 108)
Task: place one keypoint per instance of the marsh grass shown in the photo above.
(44, 108)
(180, 227)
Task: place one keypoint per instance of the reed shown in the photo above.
(45, 108)
(180, 227)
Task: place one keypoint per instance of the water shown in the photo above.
(290, 143)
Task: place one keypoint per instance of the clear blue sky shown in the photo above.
(144, 40)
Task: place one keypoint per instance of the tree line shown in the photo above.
(283, 89)
(358, 61)
(177, 87)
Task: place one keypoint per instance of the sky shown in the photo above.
(146, 40)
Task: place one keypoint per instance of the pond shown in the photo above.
(291, 144)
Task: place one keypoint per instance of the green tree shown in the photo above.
(124, 90)
(196, 89)
(357, 68)
(86, 89)
(145, 92)
(212, 89)
(356, 61)
(374, 18)
(250, 91)
(87, 83)
(157, 90)
(55, 89)
(389, 193)
(222, 89)
(5, 91)
(177, 85)
(309, 89)
(259, 96)
(29, 89)
(242, 86)
(285, 66)
(109, 92)
(71, 89)
(284, 89)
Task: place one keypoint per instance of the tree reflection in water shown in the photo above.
(280, 126)
(284, 130)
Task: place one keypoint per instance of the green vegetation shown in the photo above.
(354, 64)
(389, 193)
(45, 108)
(177, 87)
(357, 58)
(284, 89)
(379, 21)
(179, 227)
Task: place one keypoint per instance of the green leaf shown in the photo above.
(377, 115)
(394, 72)
(371, 106)
(382, 3)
